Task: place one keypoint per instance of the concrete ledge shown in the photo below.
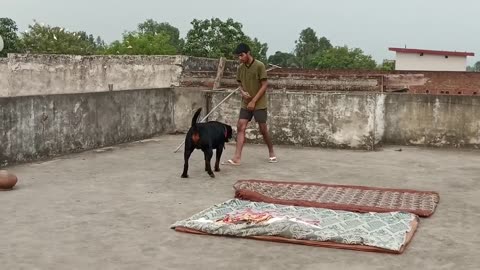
(186, 101)
(362, 120)
(36, 127)
(434, 121)
(334, 120)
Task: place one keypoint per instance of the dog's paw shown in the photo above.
(212, 175)
(217, 169)
(184, 175)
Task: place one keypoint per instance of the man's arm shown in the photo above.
(243, 93)
(262, 91)
(262, 76)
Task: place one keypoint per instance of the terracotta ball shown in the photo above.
(7, 180)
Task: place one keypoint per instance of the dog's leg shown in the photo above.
(208, 158)
(218, 156)
(186, 156)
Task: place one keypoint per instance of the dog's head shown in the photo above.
(228, 132)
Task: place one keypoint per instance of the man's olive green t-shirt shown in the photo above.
(250, 78)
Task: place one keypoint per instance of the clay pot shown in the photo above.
(7, 180)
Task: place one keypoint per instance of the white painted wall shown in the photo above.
(413, 61)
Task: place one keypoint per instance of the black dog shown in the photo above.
(206, 136)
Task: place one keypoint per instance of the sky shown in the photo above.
(371, 25)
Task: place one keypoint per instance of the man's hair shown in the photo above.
(242, 48)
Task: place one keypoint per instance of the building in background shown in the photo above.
(430, 60)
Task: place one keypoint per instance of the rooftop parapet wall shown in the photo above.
(29, 74)
(65, 74)
(332, 120)
(39, 127)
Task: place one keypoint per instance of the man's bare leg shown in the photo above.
(241, 127)
(266, 137)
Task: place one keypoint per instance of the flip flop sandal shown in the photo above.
(230, 162)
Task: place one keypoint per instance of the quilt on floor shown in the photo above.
(242, 218)
(340, 197)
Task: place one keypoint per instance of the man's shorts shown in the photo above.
(260, 115)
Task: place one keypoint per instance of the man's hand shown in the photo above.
(245, 95)
(251, 105)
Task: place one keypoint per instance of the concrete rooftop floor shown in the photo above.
(113, 209)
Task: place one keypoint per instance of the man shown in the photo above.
(252, 78)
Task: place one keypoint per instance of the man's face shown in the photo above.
(243, 58)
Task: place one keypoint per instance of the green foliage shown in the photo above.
(387, 65)
(309, 46)
(212, 38)
(284, 60)
(259, 49)
(215, 38)
(314, 52)
(11, 41)
(152, 27)
(344, 58)
(135, 43)
(324, 44)
(476, 67)
(150, 38)
(56, 40)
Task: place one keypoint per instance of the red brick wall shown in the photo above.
(201, 73)
(418, 82)
(449, 83)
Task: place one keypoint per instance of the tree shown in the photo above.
(135, 43)
(150, 38)
(8, 31)
(324, 44)
(259, 49)
(309, 46)
(215, 38)
(387, 65)
(152, 27)
(283, 59)
(344, 58)
(101, 45)
(56, 40)
(476, 67)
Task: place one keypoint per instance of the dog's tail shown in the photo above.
(195, 117)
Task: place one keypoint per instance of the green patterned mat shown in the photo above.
(389, 231)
